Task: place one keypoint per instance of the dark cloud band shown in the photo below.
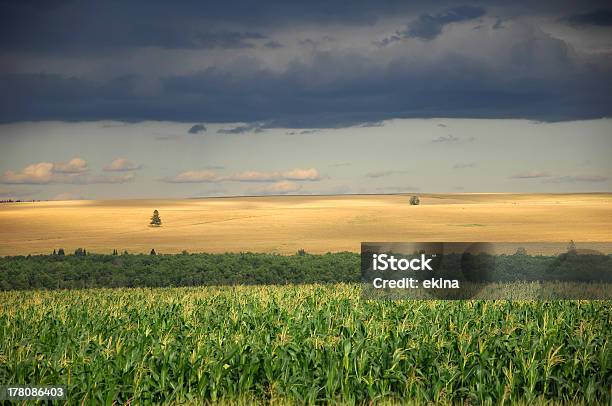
(541, 79)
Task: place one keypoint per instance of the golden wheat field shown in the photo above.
(284, 224)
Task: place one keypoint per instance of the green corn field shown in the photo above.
(303, 344)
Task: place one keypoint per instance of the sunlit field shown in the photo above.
(283, 225)
(304, 344)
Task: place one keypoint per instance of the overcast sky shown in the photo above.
(153, 99)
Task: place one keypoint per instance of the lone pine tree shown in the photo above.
(155, 220)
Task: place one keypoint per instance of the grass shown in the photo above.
(283, 225)
(303, 344)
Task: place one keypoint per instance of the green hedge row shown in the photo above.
(129, 270)
(84, 270)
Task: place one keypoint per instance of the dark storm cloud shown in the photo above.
(241, 129)
(129, 36)
(273, 44)
(499, 24)
(60, 27)
(290, 99)
(302, 132)
(335, 88)
(429, 26)
(71, 26)
(197, 128)
(369, 124)
(599, 17)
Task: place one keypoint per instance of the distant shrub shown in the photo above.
(521, 251)
(415, 201)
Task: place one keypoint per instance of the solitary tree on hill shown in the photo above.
(155, 219)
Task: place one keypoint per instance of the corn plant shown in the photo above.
(303, 344)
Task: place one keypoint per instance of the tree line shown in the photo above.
(87, 270)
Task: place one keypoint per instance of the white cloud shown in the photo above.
(194, 177)
(254, 176)
(296, 174)
(125, 178)
(75, 165)
(302, 174)
(121, 165)
(72, 172)
(38, 173)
